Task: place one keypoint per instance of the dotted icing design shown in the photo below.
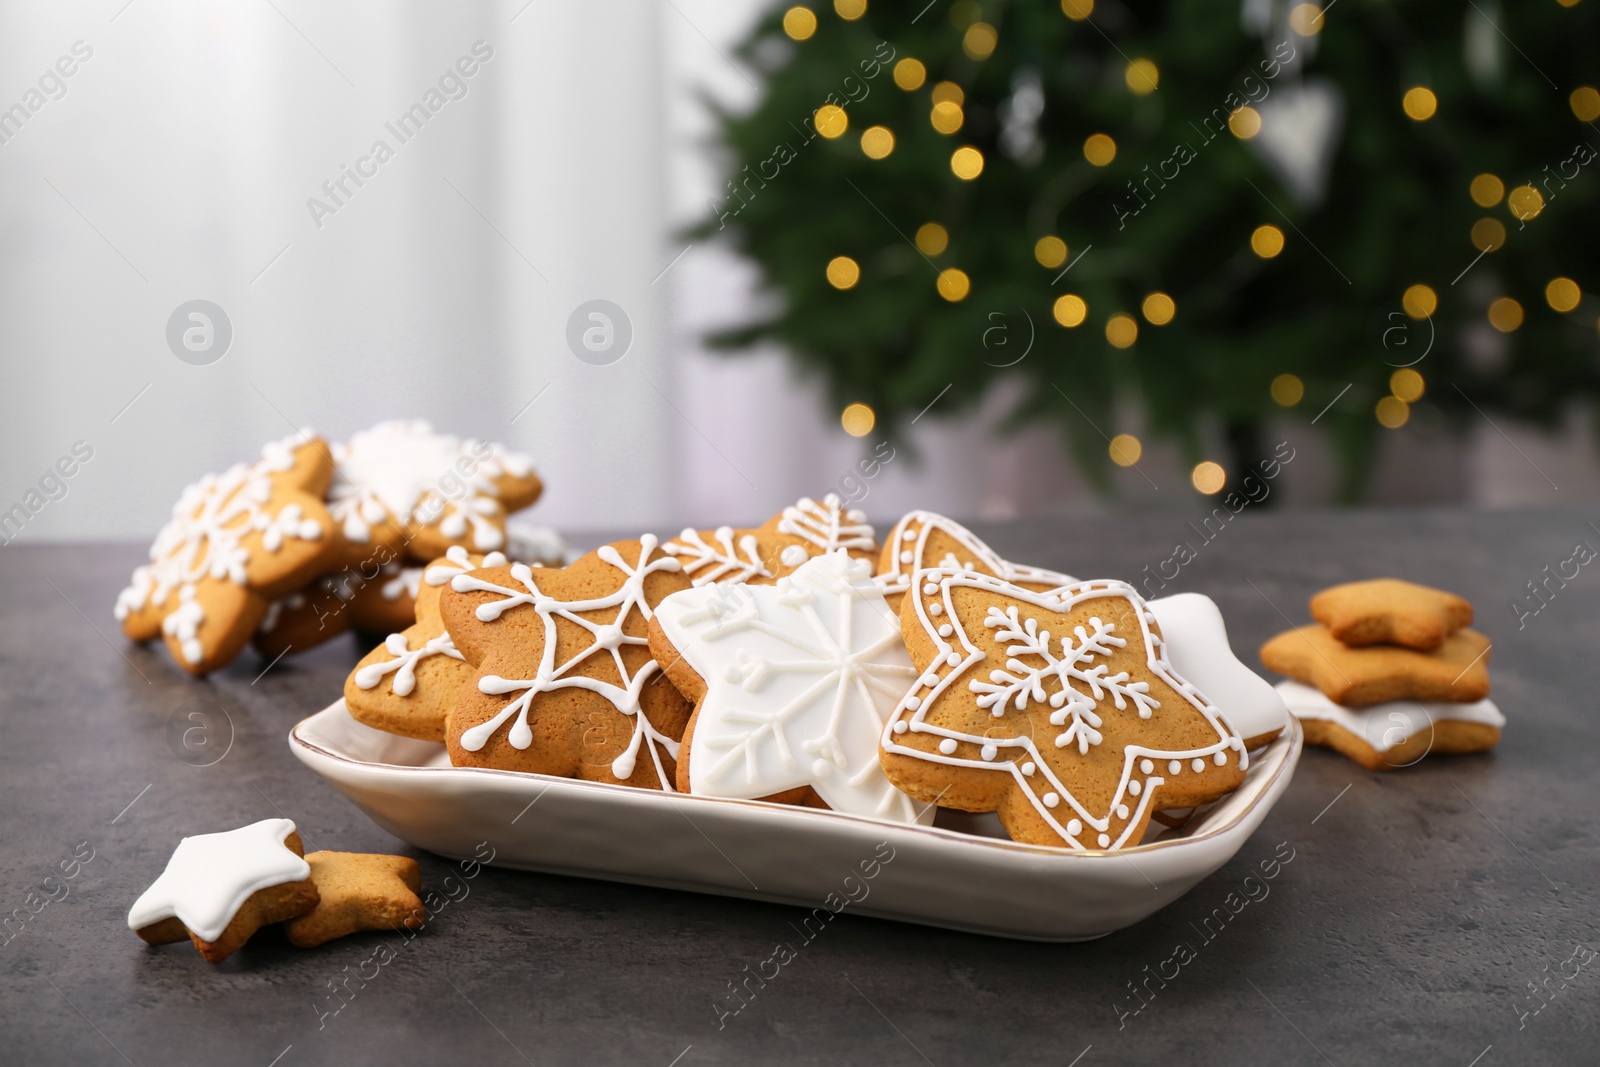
(609, 639)
(910, 538)
(1143, 767)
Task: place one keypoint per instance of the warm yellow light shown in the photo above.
(1077, 10)
(1121, 330)
(831, 121)
(954, 284)
(1099, 149)
(1392, 412)
(1562, 294)
(843, 272)
(1245, 122)
(1208, 477)
(877, 142)
(1070, 310)
(1266, 241)
(948, 93)
(1585, 103)
(1407, 384)
(1158, 309)
(979, 41)
(1420, 301)
(1142, 77)
(1125, 450)
(1288, 390)
(799, 23)
(909, 74)
(1488, 235)
(858, 420)
(932, 238)
(966, 162)
(1306, 20)
(1487, 190)
(1525, 202)
(1420, 103)
(1505, 314)
(850, 10)
(1050, 252)
(946, 117)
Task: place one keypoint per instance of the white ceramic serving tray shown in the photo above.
(961, 873)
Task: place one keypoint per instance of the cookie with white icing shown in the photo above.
(564, 681)
(761, 555)
(219, 889)
(792, 683)
(924, 539)
(303, 619)
(403, 487)
(1457, 672)
(1058, 711)
(1395, 734)
(1196, 641)
(408, 683)
(236, 541)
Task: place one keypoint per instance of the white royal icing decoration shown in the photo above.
(828, 525)
(729, 558)
(210, 876)
(800, 679)
(609, 639)
(1388, 725)
(406, 471)
(404, 664)
(1197, 646)
(1032, 773)
(915, 528)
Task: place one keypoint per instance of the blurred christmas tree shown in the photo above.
(1207, 211)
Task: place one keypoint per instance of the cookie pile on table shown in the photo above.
(799, 662)
(1390, 672)
(312, 540)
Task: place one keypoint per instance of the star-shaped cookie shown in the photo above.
(565, 683)
(1388, 611)
(1354, 677)
(792, 684)
(1058, 711)
(219, 889)
(763, 554)
(925, 539)
(408, 684)
(1397, 733)
(359, 892)
(236, 542)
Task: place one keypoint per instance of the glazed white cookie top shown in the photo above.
(210, 876)
(800, 679)
(1384, 726)
(1198, 649)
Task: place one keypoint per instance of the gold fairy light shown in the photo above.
(1158, 309)
(979, 41)
(1125, 450)
(1208, 477)
(909, 74)
(1420, 301)
(954, 284)
(1142, 77)
(1562, 294)
(1392, 412)
(1099, 149)
(1505, 314)
(1487, 190)
(966, 163)
(932, 238)
(946, 117)
(1050, 251)
(843, 272)
(1488, 235)
(799, 23)
(1121, 330)
(831, 121)
(1245, 122)
(877, 142)
(1266, 241)
(1287, 390)
(1407, 384)
(858, 419)
(1070, 310)
(1419, 103)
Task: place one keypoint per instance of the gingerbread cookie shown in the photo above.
(760, 556)
(1457, 673)
(403, 486)
(303, 619)
(236, 541)
(1388, 611)
(1395, 734)
(1196, 641)
(791, 684)
(565, 682)
(924, 539)
(1058, 711)
(219, 889)
(388, 603)
(359, 892)
(407, 684)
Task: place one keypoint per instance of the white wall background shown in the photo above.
(178, 164)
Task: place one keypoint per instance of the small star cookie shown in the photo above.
(359, 892)
(1395, 734)
(1457, 673)
(219, 889)
(1388, 611)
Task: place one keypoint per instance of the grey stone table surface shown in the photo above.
(1442, 914)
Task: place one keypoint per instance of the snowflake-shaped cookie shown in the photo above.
(792, 685)
(762, 555)
(565, 682)
(1059, 711)
(402, 484)
(923, 539)
(236, 541)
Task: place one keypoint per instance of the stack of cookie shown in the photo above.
(796, 662)
(1390, 672)
(311, 541)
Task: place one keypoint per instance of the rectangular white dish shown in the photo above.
(971, 879)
